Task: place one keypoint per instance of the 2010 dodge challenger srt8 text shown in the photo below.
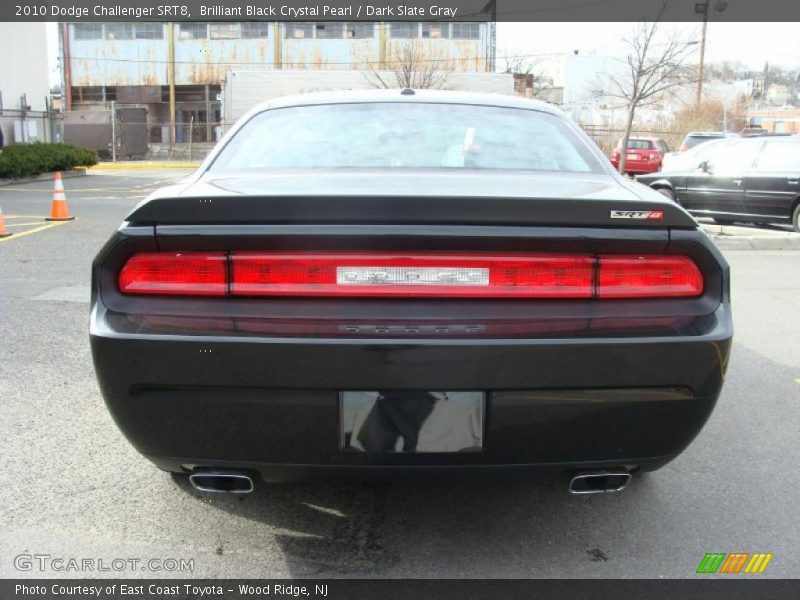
(409, 282)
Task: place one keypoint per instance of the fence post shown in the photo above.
(113, 131)
(191, 138)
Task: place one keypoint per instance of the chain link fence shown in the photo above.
(29, 126)
(132, 134)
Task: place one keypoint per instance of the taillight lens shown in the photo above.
(175, 273)
(648, 277)
(546, 276)
(411, 275)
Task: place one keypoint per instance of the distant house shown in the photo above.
(775, 120)
(777, 94)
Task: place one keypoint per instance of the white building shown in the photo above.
(24, 83)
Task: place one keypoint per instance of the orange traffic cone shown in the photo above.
(59, 211)
(3, 231)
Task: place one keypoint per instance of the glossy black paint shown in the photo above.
(254, 383)
(570, 385)
(758, 193)
(418, 197)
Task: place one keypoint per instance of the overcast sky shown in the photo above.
(750, 43)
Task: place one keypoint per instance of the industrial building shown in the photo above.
(177, 70)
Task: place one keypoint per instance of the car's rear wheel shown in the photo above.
(796, 218)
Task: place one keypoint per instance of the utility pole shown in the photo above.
(699, 94)
(171, 79)
(720, 6)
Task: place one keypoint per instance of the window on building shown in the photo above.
(148, 31)
(88, 93)
(87, 31)
(193, 31)
(436, 30)
(328, 30)
(299, 31)
(404, 30)
(466, 31)
(119, 31)
(224, 31)
(359, 30)
(257, 29)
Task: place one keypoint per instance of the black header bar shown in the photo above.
(400, 10)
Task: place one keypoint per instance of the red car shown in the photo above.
(644, 155)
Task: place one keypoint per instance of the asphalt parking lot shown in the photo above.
(71, 486)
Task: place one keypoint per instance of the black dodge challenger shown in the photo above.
(409, 282)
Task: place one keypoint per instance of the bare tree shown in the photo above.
(656, 63)
(411, 66)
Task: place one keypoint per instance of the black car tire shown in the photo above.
(668, 193)
(796, 218)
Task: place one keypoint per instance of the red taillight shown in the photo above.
(411, 275)
(176, 273)
(462, 275)
(648, 277)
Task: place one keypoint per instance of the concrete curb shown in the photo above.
(44, 177)
(789, 242)
(144, 165)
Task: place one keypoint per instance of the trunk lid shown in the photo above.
(423, 197)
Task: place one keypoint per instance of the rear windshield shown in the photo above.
(693, 140)
(640, 145)
(406, 135)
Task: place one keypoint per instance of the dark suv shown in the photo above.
(755, 180)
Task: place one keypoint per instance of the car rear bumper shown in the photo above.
(271, 404)
(635, 166)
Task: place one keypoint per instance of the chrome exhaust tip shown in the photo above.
(230, 482)
(599, 482)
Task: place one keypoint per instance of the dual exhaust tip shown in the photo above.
(237, 482)
(230, 482)
(599, 482)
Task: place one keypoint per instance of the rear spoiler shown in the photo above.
(410, 210)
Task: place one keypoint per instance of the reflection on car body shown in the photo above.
(391, 421)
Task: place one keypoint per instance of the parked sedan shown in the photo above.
(753, 180)
(393, 283)
(644, 155)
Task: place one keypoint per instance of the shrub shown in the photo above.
(23, 160)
